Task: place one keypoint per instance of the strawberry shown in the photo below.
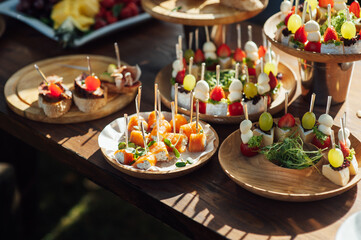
(129, 10)
(99, 23)
(345, 150)
(247, 151)
(239, 55)
(199, 57)
(272, 80)
(202, 107)
(301, 34)
(287, 121)
(251, 71)
(223, 51)
(235, 109)
(330, 34)
(107, 3)
(324, 3)
(318, 143)
(92, 83)
(355, 8)
(180, 76)
(217, 93)
(55, 90)
(262, 51)
(313, 47)
(110, 17)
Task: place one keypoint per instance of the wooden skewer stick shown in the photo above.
(329, 15)
(237, 71)
(344, 117)
(218, 73)
(296, 6)
(246, 72)
(144, 139)
(181, 59)
(197, 38)
(180, 42)
(286, 102)
(207, 33)
(89, 66)
(239, 40)
(158, 116)
(176, 98)
(41, 73)
(343, 131)
(348, 14)
(155, 96)
(197, 115)
(190, 65)
(264, 40)
(333, 138)
(245, 108)
(313, 97)
(224, 31)
(117, 54)
(191, 106)
(203, 70)
(249, 33)
(304, 12)
(190, 40)
(265, 101)
(177, 50)
(262, 67)
(159, 102)
(329, 100)
(173, 116)
(126, 130)
(310, 12)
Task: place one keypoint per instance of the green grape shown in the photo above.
(250, 90)
(313, 4)
(189, 82)
(270, 67)
(294, 23)
(308, 120)
(335, 157)
(188, 54)
(348, 30)
(111, 68)
(265, 121)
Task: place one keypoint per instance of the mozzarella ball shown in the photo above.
(236, 86)
(211, 55)
(246, 136)
(250, 47)
(314, 37)
(262, 89)
(326, 120)
(202, 96)
(245, 126)
(177, 65)
(286, 6)
(312, 26)
(324, 129)
(253, 56)
(202, 86)
(262, 78)
(235, 96)
(209, 47)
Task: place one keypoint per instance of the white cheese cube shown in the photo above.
(340, 178)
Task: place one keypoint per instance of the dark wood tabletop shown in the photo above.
(205, 204)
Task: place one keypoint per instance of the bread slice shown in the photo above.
(267, 138)
(243, 5)
(340, 178)
(54, 110)
(90, 104)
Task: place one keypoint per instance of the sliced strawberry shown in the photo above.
(330, 34)
(247, 151)
(301, 34)
(355, 8)
(313, 47)
(55, 90)
(239, 55)
(223, 51)
(92, 83)
(199, 56)
(251, 71)
(180, 76)
(318, 143)
(235, 109)
(287, 121)
(345, 150)
(324, 3)
(261, 51)
(288, 17)
(217, 93)
(202, 107)
(272, 80)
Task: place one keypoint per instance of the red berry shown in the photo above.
(55, 90)
(110, 17)
(330, 34)
(202, 107)
(235, 109)
(251, 71)
(313, 47)
(288, 17)
(247, 151)
(239, 55)
(287, 121)
(272, 80)
(345, 150)
(262, 51)
(223, 51)
(355, 8)
(129, 10)
(217, 93)
(99, 23)
(317, 142)
(199, 56)
(301, 34)
(107, 3)
(92, 83)
(180, 76)
(324, 3)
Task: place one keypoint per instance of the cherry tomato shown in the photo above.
(55, 90)
(92, 83)
(247, 151)
(318, 143)
(235, 109)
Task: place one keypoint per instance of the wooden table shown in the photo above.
(203, 205)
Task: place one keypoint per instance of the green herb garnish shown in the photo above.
(351, 155)
(319, 135)
(151, 143)
(169, 144)
(176, 9)
(255, 141)
(281, 24)
(181, 164)
(172, 81)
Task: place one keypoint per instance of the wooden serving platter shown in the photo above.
(260, 176)
(157, 175)
(21, 89)
(289, 84)
(270, 28)
(197, 12)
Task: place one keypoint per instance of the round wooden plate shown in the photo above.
(270, 28)
(197, 12)
(289, 84)
(160, 175)
(260, 176)
(21, 90)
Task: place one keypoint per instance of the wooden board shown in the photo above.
(21, 90)
(160, 175)
(270, 28)
(260, 176)
(288, 83)
(197, 12)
